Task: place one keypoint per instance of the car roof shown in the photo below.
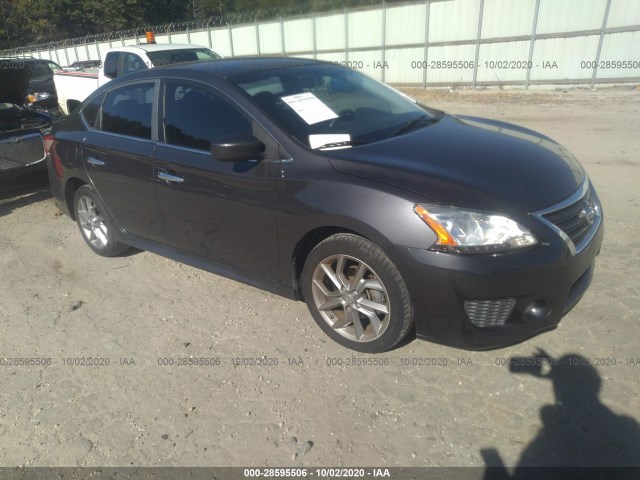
(229, 67)
(28, 59)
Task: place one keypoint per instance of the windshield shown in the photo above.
(169, 57)
(328, 106)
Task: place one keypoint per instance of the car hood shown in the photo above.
(14, 78)
(470, 162)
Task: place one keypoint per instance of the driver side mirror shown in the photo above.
(237, 148)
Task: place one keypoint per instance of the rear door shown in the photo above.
(118, 157)
(224, 211)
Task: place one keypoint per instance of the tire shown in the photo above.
(356, 294)
(95, 225)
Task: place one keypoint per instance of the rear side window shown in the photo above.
(127, 110)
(40, 71)
(132, 63)
(195, 117)
(111, 64)
(91, 109)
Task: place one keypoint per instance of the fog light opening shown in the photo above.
(536, 311)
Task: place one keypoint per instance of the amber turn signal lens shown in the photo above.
(444, 238)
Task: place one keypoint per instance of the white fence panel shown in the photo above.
(164, 38)
(503, 62)
(506, 18)
(456, 53)
(270, 38)
(103, 48)
(244, 41)
(330, 32)
(179, 38)
(624, 13)
(298, 35)
(617, 48)
(370, 63)
(560, 58)
(453, 21)
(200, 37)
(61, 56)
(570, 15)
(406, 24)
(221, 42)
(93, 52)
(365, 28)
(405, 65)
(568, 41)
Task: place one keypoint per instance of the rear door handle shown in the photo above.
(95, 162)
(170, 177)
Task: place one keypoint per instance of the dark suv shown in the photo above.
(28, 106)
(34, 78)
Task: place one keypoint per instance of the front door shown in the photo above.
(223, 211)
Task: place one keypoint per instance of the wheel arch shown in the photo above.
(313, 237)
(71, 187)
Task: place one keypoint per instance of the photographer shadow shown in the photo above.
(579, 435)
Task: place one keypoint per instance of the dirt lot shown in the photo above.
(60, 301)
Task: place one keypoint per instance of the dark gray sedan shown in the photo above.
(318, 183)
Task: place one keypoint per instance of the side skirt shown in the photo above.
(209, 265)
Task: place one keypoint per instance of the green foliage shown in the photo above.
(25, 22)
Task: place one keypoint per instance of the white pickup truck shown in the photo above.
(73, 87)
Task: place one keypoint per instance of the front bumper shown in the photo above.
(545, 282)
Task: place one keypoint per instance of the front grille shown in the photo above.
(489, 313)
(18, 152)
(576, 219)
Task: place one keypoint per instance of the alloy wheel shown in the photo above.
(351, 298)
(92, 222)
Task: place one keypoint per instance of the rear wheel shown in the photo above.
(356, 294)
(96, 227)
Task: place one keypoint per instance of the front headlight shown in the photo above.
(469, 231)
(37, 96)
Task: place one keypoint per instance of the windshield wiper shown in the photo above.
(411, 124)
(343, 143)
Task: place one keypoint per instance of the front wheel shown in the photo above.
(94, 224)
(356, 294)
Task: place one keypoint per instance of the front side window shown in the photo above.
(196, 117)
(40, 71)
(127, 110)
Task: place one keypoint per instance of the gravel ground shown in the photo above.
(60, 301)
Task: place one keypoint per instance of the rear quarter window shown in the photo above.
(127, 110)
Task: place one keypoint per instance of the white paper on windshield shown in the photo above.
(310, 108)
(319, 140)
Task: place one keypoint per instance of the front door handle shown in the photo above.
(168, 177)
(95, 162)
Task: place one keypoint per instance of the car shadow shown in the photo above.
(13, 199)
(580, 437)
